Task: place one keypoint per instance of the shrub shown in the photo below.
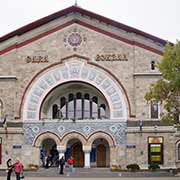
(33, 167)
(133, 167)
(154, 166)
(116, 167)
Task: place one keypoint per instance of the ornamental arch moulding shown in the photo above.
(73, 135)
(46, 135)
(103, 135)
(74, 69)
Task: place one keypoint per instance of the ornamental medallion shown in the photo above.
(74, 39)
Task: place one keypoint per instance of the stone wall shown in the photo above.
(12, 145)
(54, 46)
(139, 153)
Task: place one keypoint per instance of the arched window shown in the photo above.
(152, 65)
(86, 106)
(1, 108)
(55, 113)
(79, 105)
(95, 107)
(63, 107)
(71, 106)
(102, 111)
(154, 109)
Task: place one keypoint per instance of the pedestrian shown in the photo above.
(70, 162)
(61, 165)
(42, 157)
(18, 168)
(48, 161)
(9, 168)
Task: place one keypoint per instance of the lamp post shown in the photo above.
(140, 125)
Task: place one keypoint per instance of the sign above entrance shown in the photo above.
(155, 139)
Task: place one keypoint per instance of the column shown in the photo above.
(61, 150)
(91, 108)
(99, 112)
(83, 108)
(87, 159)
(66, 109)
(74, 108)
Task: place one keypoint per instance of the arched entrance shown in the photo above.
(49, 148)
(100, 153)
(74, 148)
(48, 144)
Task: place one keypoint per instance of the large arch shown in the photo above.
(74, 69)
(46, 135)
(103, 135)
(72, 135)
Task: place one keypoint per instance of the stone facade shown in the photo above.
(64, 50)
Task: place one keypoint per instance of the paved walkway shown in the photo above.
(87, 174)
(117, 178)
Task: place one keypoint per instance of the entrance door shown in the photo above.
(101, 155)
(78, 155)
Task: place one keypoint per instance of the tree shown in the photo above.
(167, 89)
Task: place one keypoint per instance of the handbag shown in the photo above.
(22, 176)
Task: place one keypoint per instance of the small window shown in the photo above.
(63, 107)
(152, 65)
(55, 111)
(71, 106)
(79, 106)
(154, 110)
(102, 111)
(178, 151)
(86, 106)
(95, 107)
(1, 108)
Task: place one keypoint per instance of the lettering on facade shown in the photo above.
(37, 59)
(111, 57)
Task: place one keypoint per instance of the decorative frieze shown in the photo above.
(115, 129)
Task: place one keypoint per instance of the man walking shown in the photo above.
(61, 165)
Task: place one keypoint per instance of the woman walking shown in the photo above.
(18, 168)
(9, 168)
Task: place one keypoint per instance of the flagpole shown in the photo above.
(75, 3)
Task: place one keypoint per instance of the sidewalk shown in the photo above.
(100, 173)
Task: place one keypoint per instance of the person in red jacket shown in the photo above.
(18, 168)
(70, 162)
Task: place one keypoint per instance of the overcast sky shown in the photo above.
(157, 17)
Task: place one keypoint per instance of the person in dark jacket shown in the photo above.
(10, 167)
(61, 165)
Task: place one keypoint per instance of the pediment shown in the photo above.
(75, 15)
